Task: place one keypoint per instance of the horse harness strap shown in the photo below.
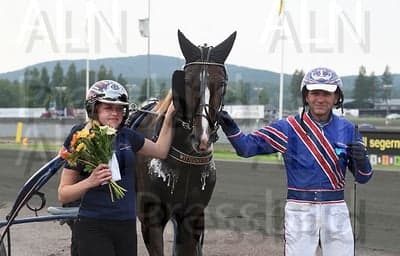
(189, 159)
(204, 63)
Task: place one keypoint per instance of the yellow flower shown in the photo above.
(84, 133)
(80, 147)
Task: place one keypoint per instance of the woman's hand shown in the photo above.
(72, 188)
(170, 111)
(100, 175)
(161, 147)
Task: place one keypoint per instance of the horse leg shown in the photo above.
(153, 239)
(189, 233)
(153, 224)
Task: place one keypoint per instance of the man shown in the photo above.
(317, 148)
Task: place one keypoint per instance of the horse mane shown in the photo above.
(163, 105)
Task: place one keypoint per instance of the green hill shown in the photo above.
(135, 67)
(135, 70)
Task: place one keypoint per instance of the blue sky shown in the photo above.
(339, 34)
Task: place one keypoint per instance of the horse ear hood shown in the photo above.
(220, 52)
(190, 51)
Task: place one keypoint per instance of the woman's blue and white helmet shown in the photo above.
(322, 79)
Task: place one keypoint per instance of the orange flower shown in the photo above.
(74, 139)
(65, 155)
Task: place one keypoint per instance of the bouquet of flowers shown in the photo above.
(92, 147)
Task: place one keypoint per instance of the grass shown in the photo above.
(15, 146)
(380, 123)
(232, 156)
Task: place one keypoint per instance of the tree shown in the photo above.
(57, 76)
(9, 93)
(387, 85)
(360, 92)
(372, 86)
(231, 96)
(102, 73)
(143, 91)
(81, 77)
(45, 84)
(74, 91)
(263, 98)
(57, 80)
(121, 80)
(295, 93)
(110, 75)
(44, 77)
(92, 77)
(244, 92)
(81, 80)
(33, 89)
(163, 89)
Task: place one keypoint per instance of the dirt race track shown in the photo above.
(245, 215)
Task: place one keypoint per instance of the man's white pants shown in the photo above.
(306, 224)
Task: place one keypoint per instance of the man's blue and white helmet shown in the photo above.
(322, 79)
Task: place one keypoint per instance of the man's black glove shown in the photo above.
(227, 123)
(357, 152)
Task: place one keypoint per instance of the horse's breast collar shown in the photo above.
(189, 159)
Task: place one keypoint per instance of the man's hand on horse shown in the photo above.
(227, 123)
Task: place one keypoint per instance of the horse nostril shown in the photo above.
(204, 143)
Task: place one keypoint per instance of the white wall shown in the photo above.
(21, 112)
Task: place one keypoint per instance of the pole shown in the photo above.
(281, 20)
(148, 54)
(87, 76)
(355, 195)
(88, 32)
(282, 61)
(87, 83)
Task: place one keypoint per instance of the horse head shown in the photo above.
(200, 89)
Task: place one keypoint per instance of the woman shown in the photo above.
(105, 226)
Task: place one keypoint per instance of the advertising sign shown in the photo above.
(383, 147)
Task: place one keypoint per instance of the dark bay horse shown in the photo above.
(180, 187)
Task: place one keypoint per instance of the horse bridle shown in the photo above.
(205, 62)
